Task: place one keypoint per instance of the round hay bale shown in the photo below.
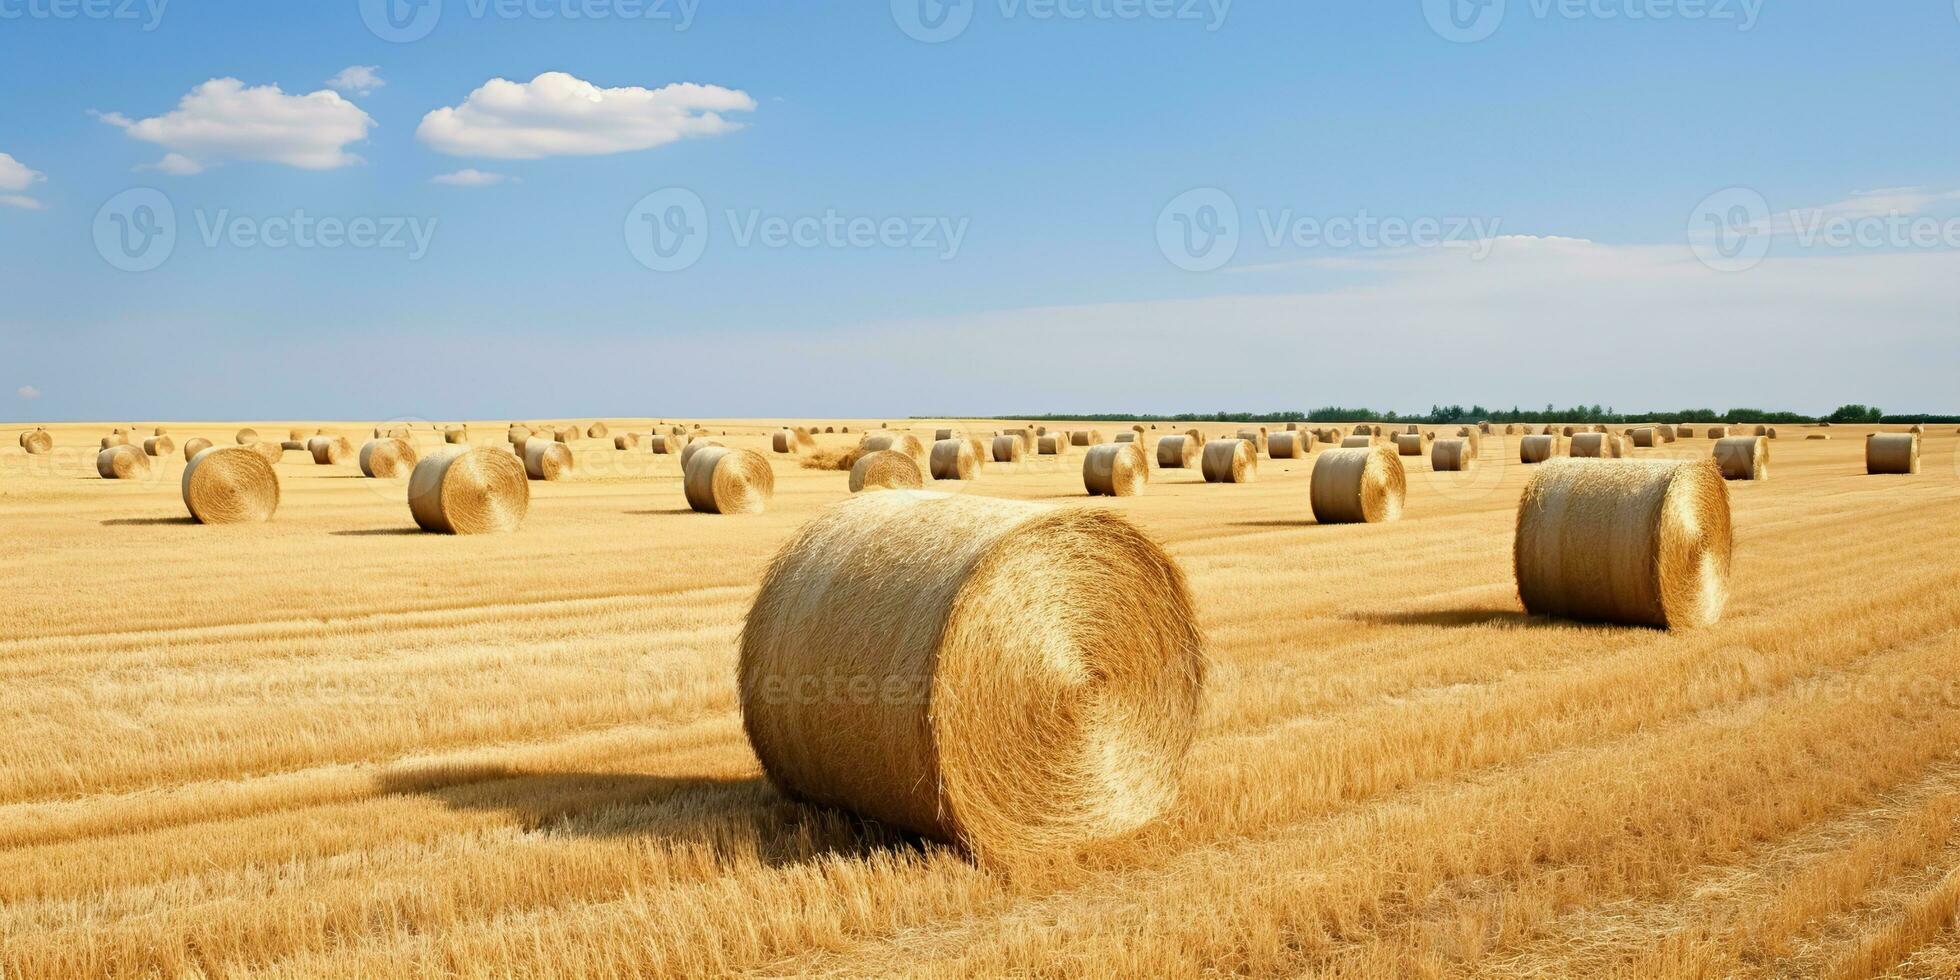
(954, 459)
(694, 446)
(1178, 453)
(1743, 457)
(1916, 430)
(1086, 437)
(1760, 431)
(1817, 438)
(1229, 461)
(1510, 430)
(1892, 453)
(37, 443)
(941, 435)
(1055, 445)
(1364, 430)
(273, 452)
(625, 441)
(903, 442)
(1357, 442)
(568, 434)
(1772, 432)
(1484, 428)
(195, 445)
(1589, 445)
(469, 491)
(1195, 436)
(662, 445)
(330, 450)
(1358, 486)
(1409, 444)
(547, 460)
(1289, 445)
(886, 469)
(1644, 438)
(1116, 470)
(1565, 432)
(388, 458)
(158, 446)
(1452, 455)
(1007, 449)
(782, 441)
(980, 729)
(1256, 437)
(232, 485)
(719, 480)
(299, 435)
(116, 438)
(123, 462)
(1641, 543)
(1668, 433)
(247, 436)
(1127, 436)
(517, 434)
(1718, 432)
(1537, 449)
(290, 445)
(597, 430)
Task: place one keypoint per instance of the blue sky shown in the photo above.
(1565, 158)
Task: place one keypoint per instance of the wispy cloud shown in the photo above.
(471, 177)
(16, 176)
(357, 80)
(556, 114)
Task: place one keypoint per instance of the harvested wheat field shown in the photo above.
(331, 744)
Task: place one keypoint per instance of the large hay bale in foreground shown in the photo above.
(886, 469)
(232, 485)
(1289, 445)
(158, 446)
(388, 458)
(954, 458)
(719, 480)
(469, 491)
(1010, 741)
(1892, 453)
(1409, 444)
(694, 446)
(1230, 461)
(1452, 455)
(1743, 457)
(37, 443)
(1178, 452)
(1640, 543)
(547, 460)
(1537, 449)
(1007, 449)
(195, 445)
(1358, 486)
(1119, 469)
(122, 462)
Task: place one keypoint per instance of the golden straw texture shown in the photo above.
(1452, 455)
(694, 446)
(469, 491)
(1623, 541)
(1230, 461)
(1743, 457)
(232, 485)
(1119, 469)
(879, 673)
(330, 450)
(903, 442)
(1358, 442)
(158, 446)
(719, 480)
(954, 458)
(1892, 453)
(886, 469)
(388, 458)
(1178, 452)
(122, 462)
(547, 460)
(37, 443)
(1007, 449)
(1358, 486)
(195, 445)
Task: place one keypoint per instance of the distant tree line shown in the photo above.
(1457, 414)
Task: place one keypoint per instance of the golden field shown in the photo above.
(334, 746)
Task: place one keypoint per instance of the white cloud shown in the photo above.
(224, 120)
(16, 176)
(28, 392)
(556, 114)
(357, 80)
(470, 177)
